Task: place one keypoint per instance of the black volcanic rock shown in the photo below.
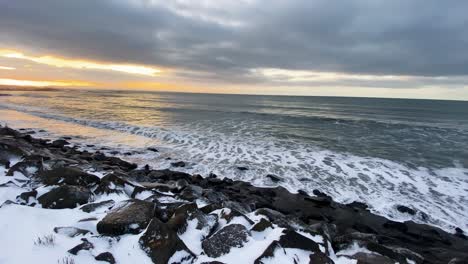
(160, 242)
(85, 245)
(106, 256)
(68, 175)
(59, 143)
(178, 164)
(405, 209)
(129, 216)
(221, 242)
(274, 178)
(65, 196)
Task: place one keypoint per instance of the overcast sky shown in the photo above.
(398, 48)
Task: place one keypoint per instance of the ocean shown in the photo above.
(383, 152)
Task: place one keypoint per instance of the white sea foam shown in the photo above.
(440, 196)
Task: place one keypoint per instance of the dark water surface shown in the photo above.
(380, 151)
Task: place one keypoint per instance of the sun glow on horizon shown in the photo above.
(58, 83)
(82, 64)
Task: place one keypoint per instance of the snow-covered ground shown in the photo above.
(27, 233)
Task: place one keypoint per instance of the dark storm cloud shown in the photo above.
(400, 37)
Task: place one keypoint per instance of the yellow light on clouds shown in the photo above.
(15, 82)
(302, 75)
(6, 68)
(82, 64)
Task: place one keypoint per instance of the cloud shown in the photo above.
(225, 41)
(82, 64)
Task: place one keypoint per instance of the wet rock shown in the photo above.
(459, 233)
(405, 209)
(320, 201)
(129, 216)
(59, 143)
(153, 149)
(160, 242)
(221, 242)
(65, 196)
(214, 196)
(358, 205)
(88, 208)
(292, 239)
(320, 258)
(68, 175)
(85, 245)
(274, 178)
(179, 164)
(191, 193)
(347, 239)
(261, 225)
(106, 256)
(71, 231)
(166, 175)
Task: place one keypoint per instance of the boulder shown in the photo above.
(59, 143)
(274, 178)
(178, 164)
(68, 175)
(292, 239)
(160, 242)
(65, 196)
(105, 256)
(405, 209)
(129, 216)
(221, 242)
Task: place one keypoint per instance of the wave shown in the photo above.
(439, 195)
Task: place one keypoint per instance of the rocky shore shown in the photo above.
(62, 205)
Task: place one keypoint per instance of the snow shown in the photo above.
(21, 228)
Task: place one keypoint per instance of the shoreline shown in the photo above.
(340, 226)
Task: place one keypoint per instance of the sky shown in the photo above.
(372, 48)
